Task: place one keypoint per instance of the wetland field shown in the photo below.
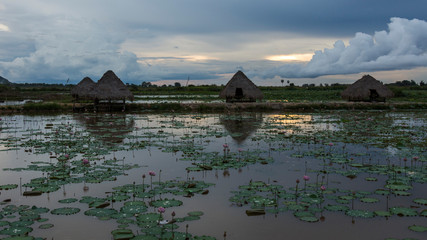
(337, 174)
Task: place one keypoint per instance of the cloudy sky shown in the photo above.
(167, 41)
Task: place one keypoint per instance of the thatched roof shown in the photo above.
(110, 87)
(84, 89)
(362, 89)
(249, 90)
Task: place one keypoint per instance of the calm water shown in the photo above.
(289, 143)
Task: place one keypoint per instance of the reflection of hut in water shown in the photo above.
(241, 89)
(105, 92)
(241, 127)
(109, 128)
(367, 89)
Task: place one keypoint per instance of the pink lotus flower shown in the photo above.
(323, 188)
(67, 156)
(151, 173)
(331, 144)
(306, 178)
(161, 209)
(416, 158)
(85, 161)
(240, 150)
(225, 145)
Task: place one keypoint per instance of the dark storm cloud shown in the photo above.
(50, 40)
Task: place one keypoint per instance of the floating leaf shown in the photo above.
(402, 211)
(65, 211)
(100, 212)
(309, 219)
(8, 186)
(417, 228)
(421, 201)
(195, 213)
(15, 231)
(383, 213)
(46, 226)
(369, 200)
(360, 213)
(67, 200)
(122, 234)
(148, 217)
(166, 203)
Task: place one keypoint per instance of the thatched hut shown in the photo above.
(107, 89)
(110, 87)
(85, 89)
(367, 89)
(241, 89)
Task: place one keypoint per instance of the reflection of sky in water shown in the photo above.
(6, 103)
(208, 131)
(303, 123)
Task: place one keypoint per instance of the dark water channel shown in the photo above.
(371, 162)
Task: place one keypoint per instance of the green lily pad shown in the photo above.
(166, 203)
(46, 226)
(145, 237)
(195, 213)
(399, 187)
(402, 211)
(148, 217)
(383, 213)
(336, 208)
(369, 200)
(122, 234)
(309, 219)
(4, 223)
(15, 231)
(204, 238)
(67, 200)
(8, 186)
(134, 207)
(65, 211)
(417, 228)
(100, 212)
(421, 201)
(360, 213)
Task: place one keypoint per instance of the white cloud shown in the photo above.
(4, 28)
(402, 47)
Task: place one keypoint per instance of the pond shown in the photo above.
(331, 175)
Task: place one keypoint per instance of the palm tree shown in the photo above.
(282, 82)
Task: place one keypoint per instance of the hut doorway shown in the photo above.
(373, 95)
(239, 93)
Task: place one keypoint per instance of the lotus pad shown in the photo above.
(417, 228)
(68, 200)
(15, 231)
(166, 203)
(8, 186)
(65, 211)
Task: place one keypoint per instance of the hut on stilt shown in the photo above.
(367, 89)
(108, 90)
(241, 89)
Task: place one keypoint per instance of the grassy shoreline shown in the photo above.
(54, 107)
